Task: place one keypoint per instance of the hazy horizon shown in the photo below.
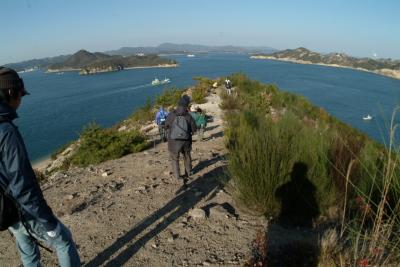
(39, 29)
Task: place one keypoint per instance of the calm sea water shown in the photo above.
(60, 105)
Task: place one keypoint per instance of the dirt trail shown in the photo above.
(132, 212)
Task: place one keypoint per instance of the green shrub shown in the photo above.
(169, 97)
(199, 95)
(229, 102)
(200, 91)
(55, 154)
(263, 152)
(98, 145)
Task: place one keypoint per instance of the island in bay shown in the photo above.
(386, 67)
(92, 63)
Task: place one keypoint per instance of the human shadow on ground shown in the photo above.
(210, 128)
(291, 240)
(177, 207)
(214, 135)
(205, 163)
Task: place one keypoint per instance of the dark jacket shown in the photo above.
(17, 173)
(181, 111)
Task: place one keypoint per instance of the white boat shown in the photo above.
(166, 80)
(367, 118)
(190, 55)
(155, 82)
(158, 82)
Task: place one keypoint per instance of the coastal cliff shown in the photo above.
(386, 67)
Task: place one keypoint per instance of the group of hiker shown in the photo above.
(177, 127)
(23, 208)
(196, 112)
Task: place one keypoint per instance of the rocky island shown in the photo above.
(92, 63)
(386, 67)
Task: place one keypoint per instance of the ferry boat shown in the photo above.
(158, 82)
(190, 55)
(367, 118)
(166, 80)
(155, 82)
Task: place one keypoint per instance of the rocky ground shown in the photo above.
(132, 212)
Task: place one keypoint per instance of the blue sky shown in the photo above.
(40, 28)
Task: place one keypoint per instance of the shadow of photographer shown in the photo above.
(291, 241)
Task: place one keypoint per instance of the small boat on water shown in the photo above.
(166, 80)
(367, 118)
(158, 82)
(190, 55)
(155, 82)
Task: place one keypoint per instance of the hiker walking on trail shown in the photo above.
(228, 86)
(161, 117)
(18, 183)
(201, 122)
(180, 126)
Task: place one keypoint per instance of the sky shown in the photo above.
(42, 28)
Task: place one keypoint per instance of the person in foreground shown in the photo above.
(180, 126)
(16, 174)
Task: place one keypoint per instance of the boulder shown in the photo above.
(197, 214)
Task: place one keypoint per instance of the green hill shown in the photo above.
(89, 63)
(303, 55)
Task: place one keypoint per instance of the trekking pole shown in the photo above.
(154, 151)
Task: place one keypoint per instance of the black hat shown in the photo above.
(9, 80)
(184, 101)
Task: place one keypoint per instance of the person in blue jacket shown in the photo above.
(16, 173)
(161, 117)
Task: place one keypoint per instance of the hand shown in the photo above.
(54, 233)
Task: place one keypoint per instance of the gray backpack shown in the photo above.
(180, 129)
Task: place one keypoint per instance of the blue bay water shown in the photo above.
(60, 105)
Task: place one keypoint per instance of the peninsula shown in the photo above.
(92, 63)
(386, 67)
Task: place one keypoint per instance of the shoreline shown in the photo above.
(395, 74)
(104, 71)
(150, 67)
(42, 163)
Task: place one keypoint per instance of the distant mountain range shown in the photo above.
(165, 48)
(90, 63)
(170, 48)
(387, 67)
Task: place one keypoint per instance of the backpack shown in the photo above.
(9, 210)
(163, 117)
(180, 128)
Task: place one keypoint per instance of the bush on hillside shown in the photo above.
(98, 145)
(263, 152)
(200, 91)
(349, 170)
(169, 98)
(229, 102)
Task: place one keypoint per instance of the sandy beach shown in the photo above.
(41, 164)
